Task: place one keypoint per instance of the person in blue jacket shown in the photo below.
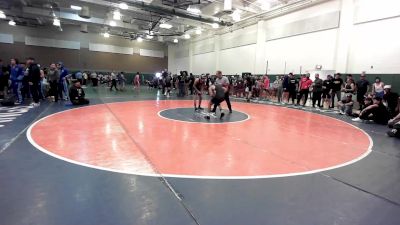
(16, 76)
(63, 84)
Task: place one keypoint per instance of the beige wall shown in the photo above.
(83, 58)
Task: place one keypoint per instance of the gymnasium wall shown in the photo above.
(81, 51)
(349, 36)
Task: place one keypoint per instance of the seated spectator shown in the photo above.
(394, 124)
(346, 105)
(376, 112)
(390, 99)
(77, 94)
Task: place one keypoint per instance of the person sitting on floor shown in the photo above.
(346, 105)
(390, 99)
(376, 112)
(394, 124)
(77, 94)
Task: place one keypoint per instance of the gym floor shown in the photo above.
(135, 157)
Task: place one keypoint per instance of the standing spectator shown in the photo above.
(3, 80)
(292, 87)
(377, 87)
(63, 82)
(136, 80)
(327, 86)
(121, 80)
(317, 90)
(391, 100)
(304, 88)
(191, 83)
(17, 74)
(337, 88)
(349, 87)
(346, 105)
(376, 112)
(79, 76)
(85, 78)
(53, 76)
(278, 85)
(362, 89)
(33, 80)
(93, 78)
(266, 85)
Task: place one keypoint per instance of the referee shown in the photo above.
(224, 82)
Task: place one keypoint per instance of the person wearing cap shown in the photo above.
(346, 105)
(376, 112)
(391, 100)
(77, 94)
(362, 87)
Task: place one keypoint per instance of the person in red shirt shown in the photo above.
(304, 88)
(266, 87)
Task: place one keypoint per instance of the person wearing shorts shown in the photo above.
(217, 94)
(197, 88)
(326, 91)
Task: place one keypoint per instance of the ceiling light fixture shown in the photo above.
(149, 37)
(215, 25)
(116, 15)
(106, 35)
(113, 23)
(227, 5)
(236, 15)
(216, 19)
(56, 22)
(165, 26)
(194, 10)
(186, 36)
(11, 23)
(139, 39)
(2, 15)
(175, 40)
(264, 4)
(198, 31)
(75, 7)
(123, 5)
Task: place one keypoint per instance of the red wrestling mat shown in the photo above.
(131, 137)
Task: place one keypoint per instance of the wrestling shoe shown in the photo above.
(222, 114)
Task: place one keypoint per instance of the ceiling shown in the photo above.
(141, 18)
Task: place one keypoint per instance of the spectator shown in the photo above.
(376, 112)
(394, 124)
(278, 85)
(362, 88)
(337, 88)
(390, 99)
(3, 80)
(292, 87)
(17, 74)
(93, 78)
(304, 88)
(346, 105)
(327, 91)
(77, 94)
(63, 82)
(53, 76)
(33, 80)
(377, 88)
(317, 91)
(79, 76)
(121, 80)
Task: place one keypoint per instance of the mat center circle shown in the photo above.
(191, 115)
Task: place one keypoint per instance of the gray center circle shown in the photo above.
(189, 115)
